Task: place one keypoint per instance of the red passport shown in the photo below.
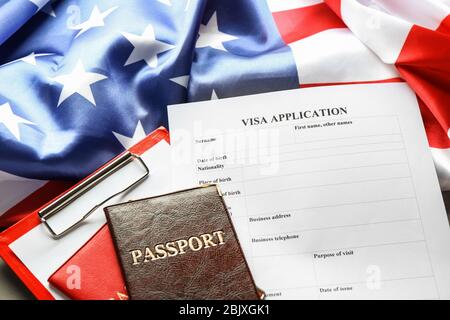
(93, 272)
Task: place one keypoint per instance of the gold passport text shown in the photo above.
(174, 248)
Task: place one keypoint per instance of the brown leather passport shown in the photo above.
(180, 246)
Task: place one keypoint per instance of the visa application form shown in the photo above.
(332, 190)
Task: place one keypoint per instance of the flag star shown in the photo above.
(166, 2)
(78, 81)
(182, 81)
(146, 47)
(31, 58)
(169, 3)
(214, 95)
(211, 36)
(128, 142)
(48, 9)
(39, 3)
(95, 20)
(11, 121)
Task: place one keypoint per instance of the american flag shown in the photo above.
(81, 80)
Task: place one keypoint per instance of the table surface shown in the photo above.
(12, 289)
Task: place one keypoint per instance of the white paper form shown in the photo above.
(332, 190)
(43, 255)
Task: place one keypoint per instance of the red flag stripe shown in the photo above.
(425, 64)
(300, 23)
(335, 5)
(444, 26)
(35, 200)
(437, 137)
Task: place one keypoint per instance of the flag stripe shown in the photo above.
(335, 5)
(383, 33)
(437, 137)
(33, 201)
(14, 189)
(300, 23)
(336, 56)
(445, 25)
(283, 5)
(441, 158)
(425, 13)
(310, 85)
(428, 71)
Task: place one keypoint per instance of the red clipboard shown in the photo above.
(26, 224)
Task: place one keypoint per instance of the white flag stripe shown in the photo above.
(380, 31)
(425, 13)
(14, 189)
(445, 2)
(336, 55)
(441, 158)
(282, 5)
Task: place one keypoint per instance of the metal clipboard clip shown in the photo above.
(53, 208)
